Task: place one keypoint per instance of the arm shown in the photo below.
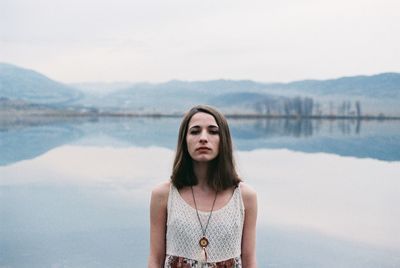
(158, 220)
(249, 228)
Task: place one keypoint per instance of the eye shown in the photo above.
(214, 132)
(194, 132)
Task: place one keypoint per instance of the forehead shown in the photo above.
(202, 119)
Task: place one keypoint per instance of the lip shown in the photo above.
(203, 149)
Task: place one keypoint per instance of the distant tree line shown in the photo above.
(305, 107)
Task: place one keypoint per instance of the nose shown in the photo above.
(203, 137)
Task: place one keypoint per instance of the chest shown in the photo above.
(204, 201)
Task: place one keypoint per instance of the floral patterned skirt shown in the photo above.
(181, 262)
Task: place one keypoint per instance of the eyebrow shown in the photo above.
(210, 126)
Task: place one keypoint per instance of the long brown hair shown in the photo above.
(221, 170)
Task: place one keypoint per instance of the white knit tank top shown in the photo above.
(224, 232)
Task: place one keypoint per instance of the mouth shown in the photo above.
(203, 149)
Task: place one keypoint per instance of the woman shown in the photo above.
(204, 216)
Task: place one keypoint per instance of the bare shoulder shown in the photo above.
(247, 190)
(249, 195)
(162, 188)
(161, 191)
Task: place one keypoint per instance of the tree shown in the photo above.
(358, 108)
(308, 104)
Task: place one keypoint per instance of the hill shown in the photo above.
(384, 85)
(346, 96)
(23, 84)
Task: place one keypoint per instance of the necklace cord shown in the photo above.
(197, 211)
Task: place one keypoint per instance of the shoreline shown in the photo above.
(15, 114)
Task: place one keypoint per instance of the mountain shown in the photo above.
(366, 95)
(385, 85)
(378, 94)
(382, 86)
(177, 96)
(23, 84)
(101, 88)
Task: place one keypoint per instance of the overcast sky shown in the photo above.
(160, 40)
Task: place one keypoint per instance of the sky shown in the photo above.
(353, 199)
(156, 40)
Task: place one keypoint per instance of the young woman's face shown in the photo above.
(202, 137)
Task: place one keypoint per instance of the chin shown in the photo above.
(204, 158)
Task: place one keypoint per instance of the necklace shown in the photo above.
(203, 242)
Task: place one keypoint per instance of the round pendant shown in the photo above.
(203, 242)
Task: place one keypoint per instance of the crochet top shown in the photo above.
(224, 231)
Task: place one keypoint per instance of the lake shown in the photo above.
(75, 192)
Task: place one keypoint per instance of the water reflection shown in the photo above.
(378, 139)
(25, 142)
(307, 127)
(87, 206)
(285, 127)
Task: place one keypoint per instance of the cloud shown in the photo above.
(344, 197)
(197, 40)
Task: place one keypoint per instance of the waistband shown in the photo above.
(182, 262)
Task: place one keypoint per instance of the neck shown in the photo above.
(200, 170)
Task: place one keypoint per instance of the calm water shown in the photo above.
(75, 193)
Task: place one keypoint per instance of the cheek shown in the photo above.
(189, 143)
